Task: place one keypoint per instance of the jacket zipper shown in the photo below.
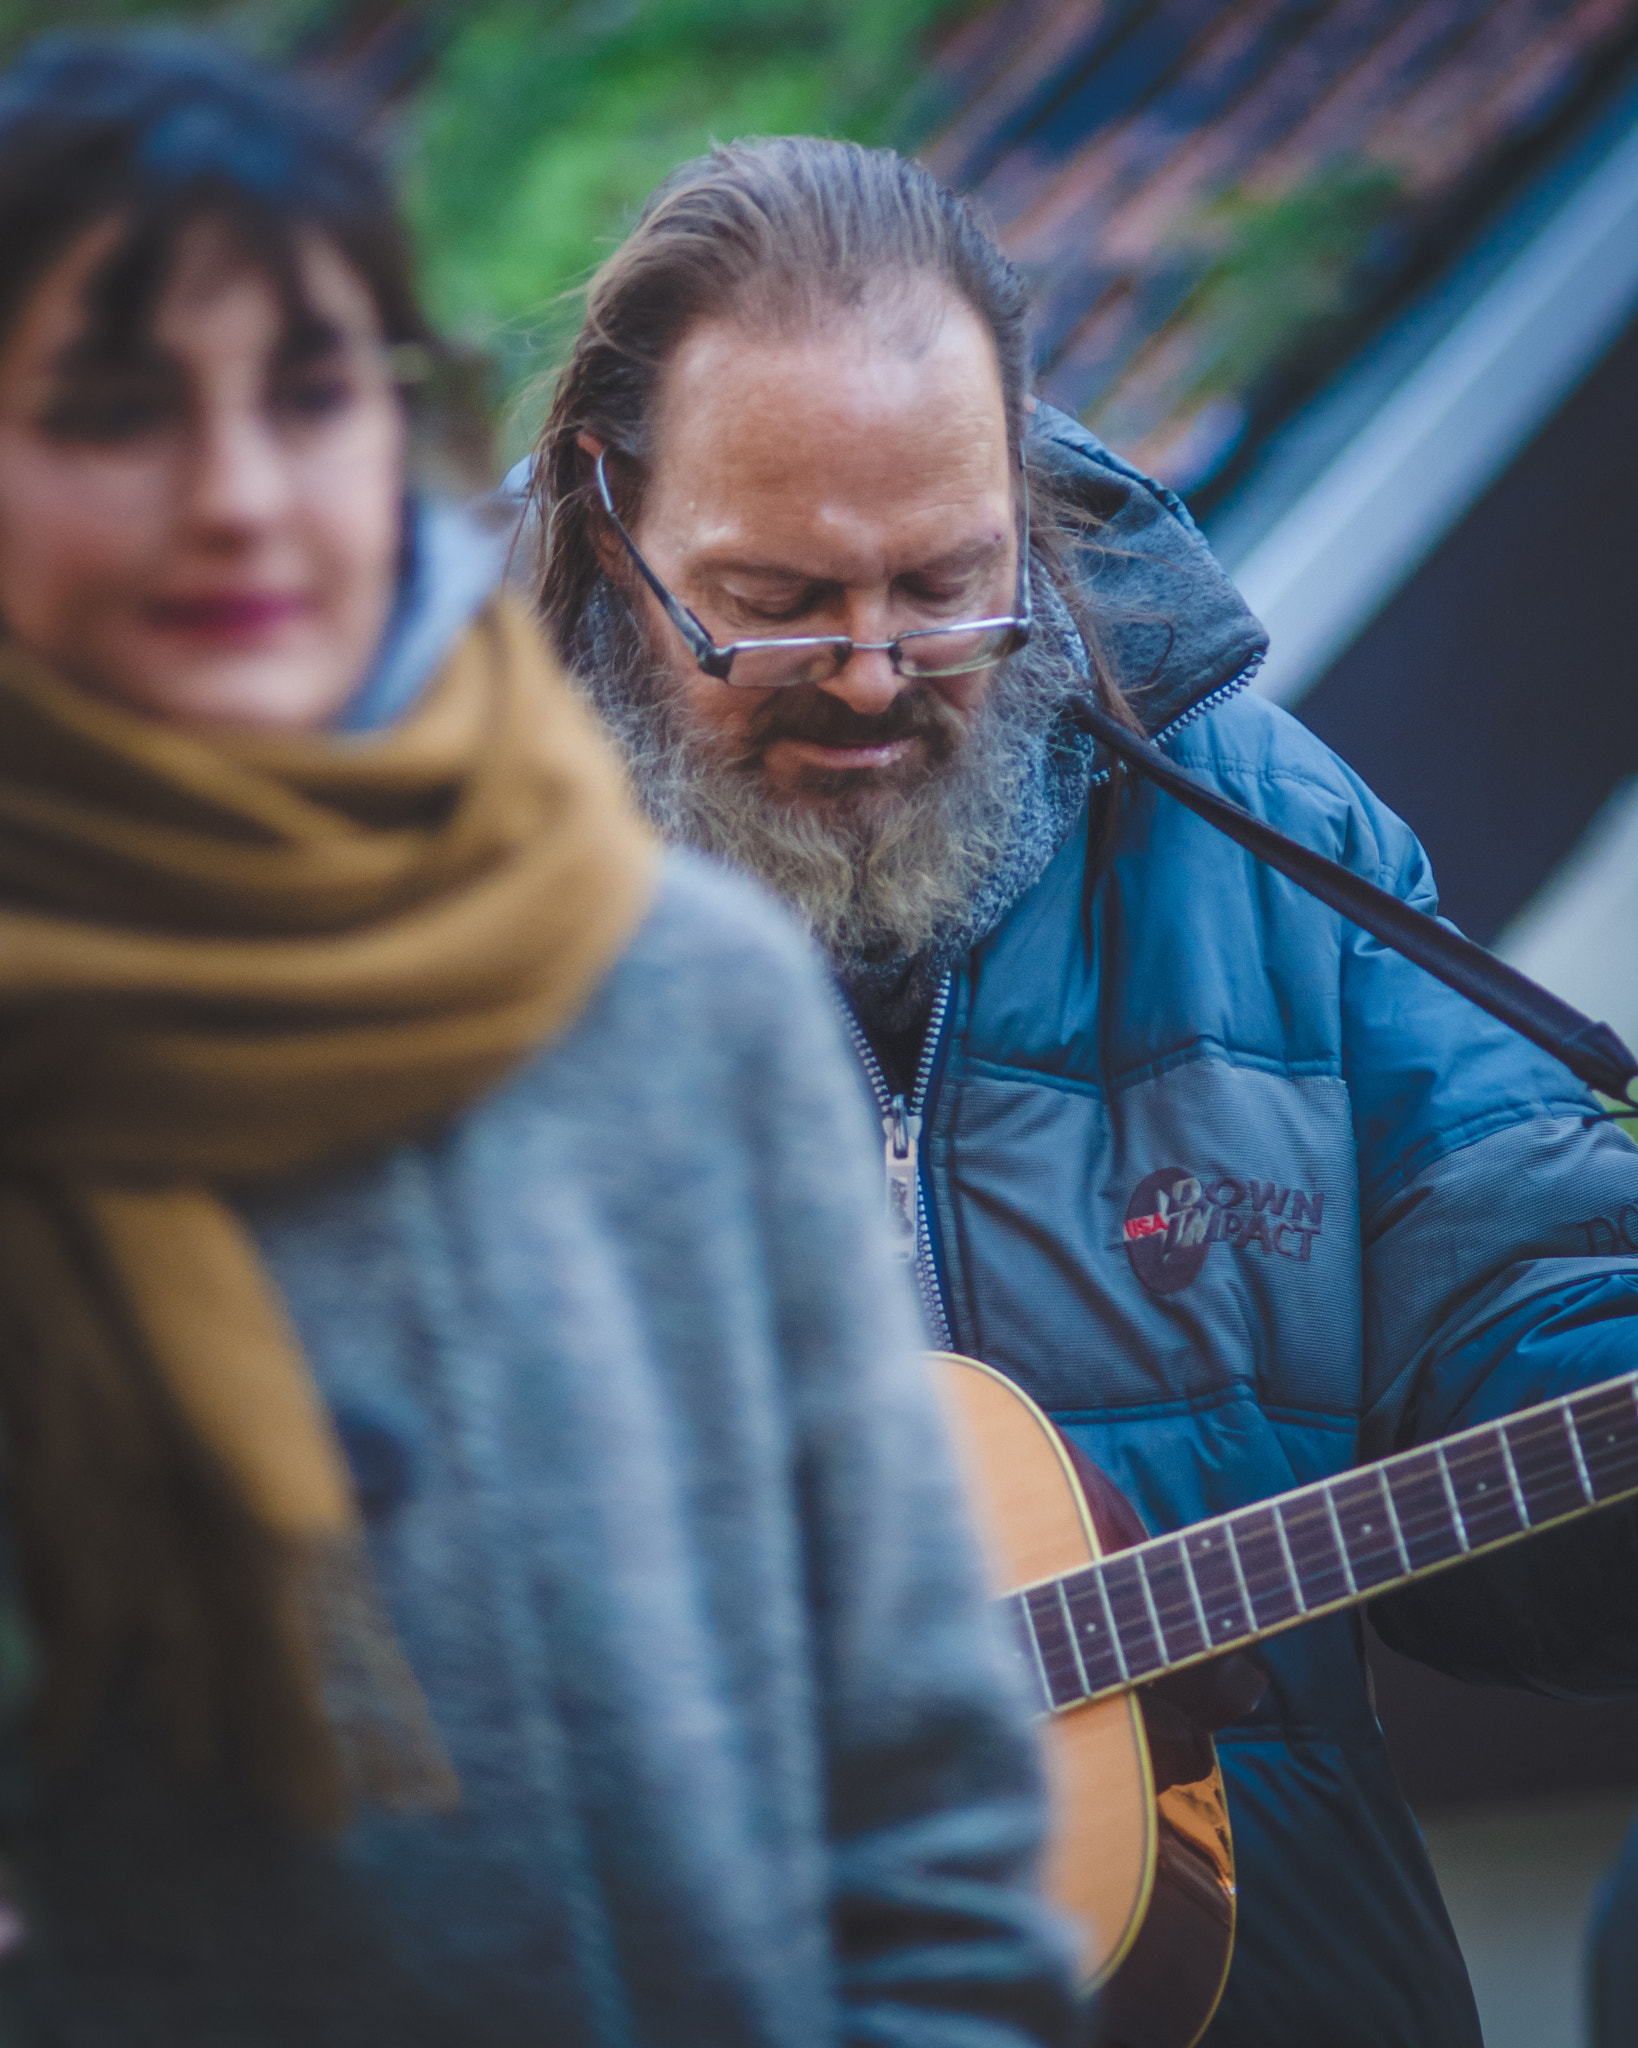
(1208, 703)
(902, 1119)
(901, 1132)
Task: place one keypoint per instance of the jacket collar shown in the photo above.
(1175, 629)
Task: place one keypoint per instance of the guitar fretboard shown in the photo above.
(1221, 1584)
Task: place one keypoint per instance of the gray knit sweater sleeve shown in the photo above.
(933, 1810)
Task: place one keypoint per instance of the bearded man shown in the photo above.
(837, 586)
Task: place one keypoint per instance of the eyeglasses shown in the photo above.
(817, 658)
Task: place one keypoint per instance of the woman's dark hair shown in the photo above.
(779, 234)
(160, 131)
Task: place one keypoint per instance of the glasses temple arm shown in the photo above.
(1024, 601)
(700, 643)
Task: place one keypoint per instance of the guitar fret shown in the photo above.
(1393, 1522)
(1149, 1599)
(1172, 1599)
(1450, 1490)
(1057, 1652)
(1290, 1561)
(1316, 1546)
(1239, 1573)
(1095, 1639)
(1225, 1599)
(1337, 1538)
(1194, 1594)
(1583, 1476)
(1264, 1562)
(1369, 1544)
(1074, 1643)
(1513, 1476)
(1109, 1623)
(1539, 1446)
(1133, 1610)
(1478, 1473)
(1424, 1508)
(1605, 1425)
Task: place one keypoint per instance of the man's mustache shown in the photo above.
(807, 712)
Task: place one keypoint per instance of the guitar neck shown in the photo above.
(1229, 1582)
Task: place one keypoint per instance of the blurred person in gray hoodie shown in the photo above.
(483, 1562)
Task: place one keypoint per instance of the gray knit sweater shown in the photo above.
(660, 1505)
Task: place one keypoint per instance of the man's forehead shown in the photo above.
(847, 423)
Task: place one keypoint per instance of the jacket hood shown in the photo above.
(1175, 629)
(453, 561)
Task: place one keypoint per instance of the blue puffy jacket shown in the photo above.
(1415, 1221)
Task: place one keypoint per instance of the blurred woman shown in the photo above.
(483, 1569)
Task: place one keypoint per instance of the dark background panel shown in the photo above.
(1494, 703)
(1458, 1745)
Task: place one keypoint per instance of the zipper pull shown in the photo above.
(903, 1133)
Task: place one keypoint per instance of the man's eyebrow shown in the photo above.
(968, 556)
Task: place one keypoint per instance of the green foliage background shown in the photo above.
(534, 126)
(525, 132)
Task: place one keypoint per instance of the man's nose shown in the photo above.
(868, 684)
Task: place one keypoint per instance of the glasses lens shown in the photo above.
(955, 650)
(783, 664)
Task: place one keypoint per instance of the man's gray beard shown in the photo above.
(923, 875)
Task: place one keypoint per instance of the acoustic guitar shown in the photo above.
(1140, 1856)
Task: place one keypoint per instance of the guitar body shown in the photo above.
(1139, 1856)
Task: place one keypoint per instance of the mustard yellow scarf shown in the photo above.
(223, 960)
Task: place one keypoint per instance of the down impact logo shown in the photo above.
(1174, 1218)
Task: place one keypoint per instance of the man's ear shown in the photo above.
(609, 551)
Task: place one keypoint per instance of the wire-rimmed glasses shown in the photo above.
(781, 664)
